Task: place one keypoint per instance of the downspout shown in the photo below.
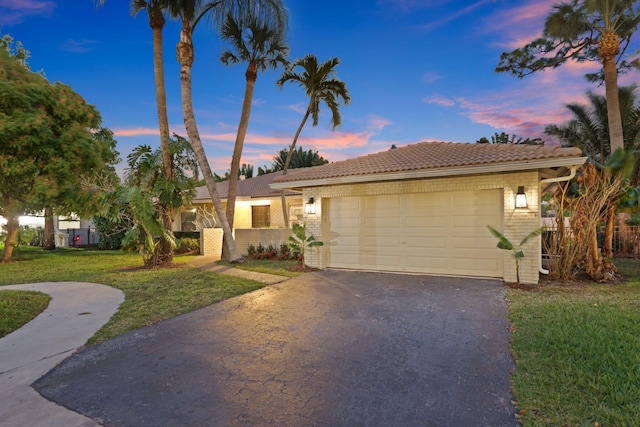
(569, 177)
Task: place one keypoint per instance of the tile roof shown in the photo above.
(251, 187)
(430, 155)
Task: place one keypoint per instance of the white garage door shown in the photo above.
(436, 233)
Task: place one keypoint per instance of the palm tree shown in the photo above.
(150, 194)
(155, 10)
(190, 12)
(589, 129)
(583, 30)
(320, 84)
(262, 47)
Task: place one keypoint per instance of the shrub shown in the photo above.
(187, 245)
(285, 254)
(251, 251)
(271, 252)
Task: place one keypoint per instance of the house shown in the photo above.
(424, 208)
(258, 214)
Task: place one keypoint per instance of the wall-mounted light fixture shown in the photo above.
(310, 207)
(521, 198)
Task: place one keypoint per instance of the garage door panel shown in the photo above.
(438, 233)
(475, 267)
(434, 221)
(431, 242)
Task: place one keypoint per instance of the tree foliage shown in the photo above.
(505, 138)
(262, 46)
(150, 194)
(584, 30)
(589, 129)
(574, 31)
(47, 144)
(301, 158)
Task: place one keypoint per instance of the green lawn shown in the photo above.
(150, 295)
(577, 350)
(20, 307)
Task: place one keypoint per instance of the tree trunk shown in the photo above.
(251, 76)
(49, 231)
(285, 211)
(185, 58)
(613, 103)
(593, 262)
(157, 21)
(13, 223)
(607, 247)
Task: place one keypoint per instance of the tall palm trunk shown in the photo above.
(157, 21)
(185, 58)
(608, 48)
(251, 76)
(285, 211)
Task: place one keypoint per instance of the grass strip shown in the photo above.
(17, 308)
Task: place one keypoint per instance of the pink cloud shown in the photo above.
(453, 16)
(431, 77)
(539, 101)
(21, 9)
(27, 4)
(298, 108)
(136, 132)
(378, 123)
(519, 25)
(530, 13)
(439, 100)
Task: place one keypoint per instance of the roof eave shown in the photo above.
(434, 173)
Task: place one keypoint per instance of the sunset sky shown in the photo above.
(417, 70)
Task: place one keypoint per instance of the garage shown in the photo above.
(434, 233)
(424, 208)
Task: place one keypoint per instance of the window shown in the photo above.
(188, 221)
(260, 216)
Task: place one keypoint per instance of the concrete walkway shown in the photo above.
(75, 313)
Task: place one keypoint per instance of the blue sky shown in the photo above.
(417, 70)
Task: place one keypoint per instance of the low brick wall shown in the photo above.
(211, 239)
(266, 236)
(211, 242)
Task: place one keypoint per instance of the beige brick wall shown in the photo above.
(211, 242)
(517, 223)
(266, 236)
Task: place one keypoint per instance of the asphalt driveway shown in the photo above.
(326, 349)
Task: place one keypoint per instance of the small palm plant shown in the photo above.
(516, 250)
(299, 241)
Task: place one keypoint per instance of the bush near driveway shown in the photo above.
(577, 350)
